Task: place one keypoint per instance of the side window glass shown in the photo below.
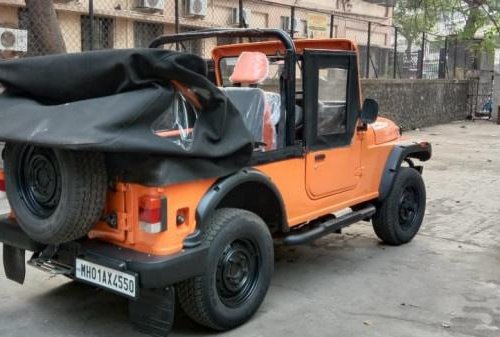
(332, 101)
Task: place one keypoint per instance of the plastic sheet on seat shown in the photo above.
(252, 104)
(273, 101)
(177, 122)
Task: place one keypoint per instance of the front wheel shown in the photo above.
(237, 275)
(400, 215)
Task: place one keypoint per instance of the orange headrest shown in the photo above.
(251, 68)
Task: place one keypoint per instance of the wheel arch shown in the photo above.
(234, 191)
(401, 152)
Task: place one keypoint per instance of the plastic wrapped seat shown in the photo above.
(260, 110)
(252, 105)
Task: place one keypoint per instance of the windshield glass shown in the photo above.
(271, 83)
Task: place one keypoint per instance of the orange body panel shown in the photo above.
(290, 176)
(182, 200)
(338, 170)
(294, 178)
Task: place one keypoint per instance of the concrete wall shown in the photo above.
(418, 103)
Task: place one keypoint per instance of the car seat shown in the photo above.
(260, 111)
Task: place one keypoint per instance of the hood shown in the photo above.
(385, 130)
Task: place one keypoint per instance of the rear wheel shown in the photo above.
(56, 195)
(238, 271)
(400, 215)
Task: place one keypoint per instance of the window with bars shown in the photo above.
(285, 23)
(145, 32)
(102, 34)
(304, 31)
(192, 46)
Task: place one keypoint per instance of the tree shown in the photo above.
(481, 15)
(465, 17)
(43, 26)
(413, 17)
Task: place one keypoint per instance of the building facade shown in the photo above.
(134, 23)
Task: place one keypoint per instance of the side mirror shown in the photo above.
(369, 113)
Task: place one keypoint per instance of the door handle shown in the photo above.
(320, 157)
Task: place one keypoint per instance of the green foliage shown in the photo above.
(491, 39)
(477, 17)
(413, 17)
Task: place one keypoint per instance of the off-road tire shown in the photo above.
(200, 297)
(78, 194)
(388, 222)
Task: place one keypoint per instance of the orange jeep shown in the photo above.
(145, 174)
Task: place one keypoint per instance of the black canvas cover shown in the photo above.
(108, 101)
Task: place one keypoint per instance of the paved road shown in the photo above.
(445, 283)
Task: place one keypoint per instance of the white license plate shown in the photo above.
(117, 281)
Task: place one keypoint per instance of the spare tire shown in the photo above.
(56, 195)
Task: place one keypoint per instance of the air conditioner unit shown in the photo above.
(286, 24)
(196, 8)
(13, 39)
(150, 5)
(247, 14)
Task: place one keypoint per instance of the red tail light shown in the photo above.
(153, 214)
(2, 182)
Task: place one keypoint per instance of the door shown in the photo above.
(331, 102)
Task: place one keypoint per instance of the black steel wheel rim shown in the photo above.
(39, 180)
(408, 207)
(237, 273)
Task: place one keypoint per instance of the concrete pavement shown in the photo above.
(444, 283)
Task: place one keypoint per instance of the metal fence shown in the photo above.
(107, 24)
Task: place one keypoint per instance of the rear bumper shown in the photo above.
(153, 271)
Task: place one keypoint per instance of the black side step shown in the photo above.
(330, 226)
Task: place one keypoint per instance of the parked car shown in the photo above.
(147, 199)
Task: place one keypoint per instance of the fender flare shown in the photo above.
(220, 189)
(421, 151)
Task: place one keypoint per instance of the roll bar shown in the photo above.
(226, 32)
